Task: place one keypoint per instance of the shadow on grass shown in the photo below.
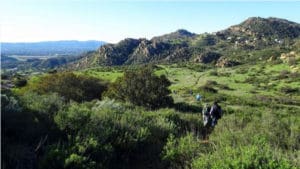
(184, 107)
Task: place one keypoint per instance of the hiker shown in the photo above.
(206, 121)
(215, 113)
(198, 97)
(205, 115)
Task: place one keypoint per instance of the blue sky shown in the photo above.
(112, 21)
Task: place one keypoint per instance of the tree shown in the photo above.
(142, 88)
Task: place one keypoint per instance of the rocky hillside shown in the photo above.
(260, 27)
(254, 39)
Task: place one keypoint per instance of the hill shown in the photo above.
(266, 27)
(242, 43)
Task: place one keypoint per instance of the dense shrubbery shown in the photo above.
(245, 139)
(180, 152)
(105, 134)
(111, 135)
(142, 88)
(27, 124)
(246, 157)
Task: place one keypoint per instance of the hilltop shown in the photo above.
(246, 42)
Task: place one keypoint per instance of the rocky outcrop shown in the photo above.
(288, 57)
(207, 57)
(261, 27)
(225, 62)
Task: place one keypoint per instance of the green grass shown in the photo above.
(110, 76)
(264, 81)
(244, 81)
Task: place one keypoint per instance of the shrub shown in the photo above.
(47, 104)
(211, 83)
(179, 152)
(213, 73)
(72, 87)
(112, 134)
(242, 70)
(224, 87)
(246, 157)
(20, 82)
(22, 131)
(289, 90)
(283, 75)
(142, 88)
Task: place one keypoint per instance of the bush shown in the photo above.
(242, 71)
(20, 82)
(211, 83)
(213, 73)
(45, 104)
(179, 152)
(111, 134)
(72, 87)
(22, 131)
(142, 88)
(224, 87)
(246, 157)
(289, 90)
(283, 75)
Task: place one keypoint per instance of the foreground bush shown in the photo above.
(26, 122)
(180, 152)
(245, 157)
(108, 134)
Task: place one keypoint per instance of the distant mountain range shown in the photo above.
(44, 55)
(254, 39)
(50, 48)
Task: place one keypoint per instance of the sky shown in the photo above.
(112, 21)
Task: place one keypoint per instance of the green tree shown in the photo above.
(142, 88)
